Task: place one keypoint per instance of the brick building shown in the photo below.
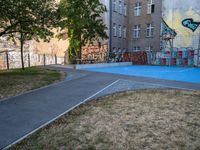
(140, 21)
(133, 25)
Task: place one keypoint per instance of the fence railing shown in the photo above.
(12, 59)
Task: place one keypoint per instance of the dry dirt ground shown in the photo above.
(18, 81)
(137, 120)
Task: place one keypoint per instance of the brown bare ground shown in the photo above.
(147, 119)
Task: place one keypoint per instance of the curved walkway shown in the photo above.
(26, 113)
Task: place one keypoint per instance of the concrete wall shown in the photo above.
(14, 59)
(102, 65)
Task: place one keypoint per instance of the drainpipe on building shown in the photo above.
(198, 50)
(110, 30)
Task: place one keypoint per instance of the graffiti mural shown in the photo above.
(167, 35)
(138, 58)
(191, 24)
(96, 52)
(166, 30)
(14, 59)
(174, 13)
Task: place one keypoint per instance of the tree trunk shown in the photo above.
(80, 47)
(22, 46)
(80, 51)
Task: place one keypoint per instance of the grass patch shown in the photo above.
(17, 81)
(147, 119)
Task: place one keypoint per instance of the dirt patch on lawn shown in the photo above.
(147, 119)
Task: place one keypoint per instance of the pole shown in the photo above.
(29, 63)
(7, 60)
(55, 59)
(44, 59)
(198, 51)
(110, 30)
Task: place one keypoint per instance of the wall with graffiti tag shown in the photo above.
(183, 16)
(96, 52)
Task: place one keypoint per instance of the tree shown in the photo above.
(82, 19)
(27, 19)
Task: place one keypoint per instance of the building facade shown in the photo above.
(134, 26)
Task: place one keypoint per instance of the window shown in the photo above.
(120, 7)
(124, 32)
(136, 48)
(148, 48)
(150, 30)
(114, 29)
(120, 31)
(136, 31)
(125, 10)
(137, 9)
(150, 7)
(114, 5)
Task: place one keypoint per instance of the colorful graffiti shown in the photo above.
(176, 57)
(14, 59)
(115, 57)
(174, 12)
(166, 30)
(96, 52)
(191, 24)
(139, 58)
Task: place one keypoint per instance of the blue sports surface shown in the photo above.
(184, 74)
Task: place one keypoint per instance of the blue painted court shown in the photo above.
(184, 74)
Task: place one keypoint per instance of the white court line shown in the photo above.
(52, 120)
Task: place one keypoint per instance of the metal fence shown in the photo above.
(12, 59)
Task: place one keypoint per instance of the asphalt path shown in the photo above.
(24, 114)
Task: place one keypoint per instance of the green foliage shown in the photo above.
(32, 18)
(83, 20)
(27, 20)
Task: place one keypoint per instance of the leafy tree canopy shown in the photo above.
(83, 20)
(33, 18)
(27, 19)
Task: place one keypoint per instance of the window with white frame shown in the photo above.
(120, 7)
(136, 48)
(136, 31)
(120, 30)
(125, 10)
(150, 7)
(150, 30)
(124, 32)
(137, 9)
(114, 5)
(149, 48)
(114, 29)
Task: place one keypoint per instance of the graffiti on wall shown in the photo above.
(174, 12)
(139, 58)
(167, 35)
(191, 24)
(96, 52)
(166, 30)
(14, 59)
